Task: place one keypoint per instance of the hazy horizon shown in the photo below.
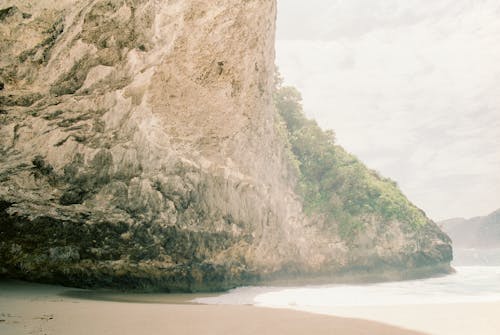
(411, 88)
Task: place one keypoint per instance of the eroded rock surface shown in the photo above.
(139, 149)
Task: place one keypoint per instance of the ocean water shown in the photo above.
(470, 284)
(464, 303)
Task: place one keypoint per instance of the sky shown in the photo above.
(411, 87)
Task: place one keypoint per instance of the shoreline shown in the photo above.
(463, 318)
(27, 308)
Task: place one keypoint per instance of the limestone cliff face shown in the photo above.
(139, 149)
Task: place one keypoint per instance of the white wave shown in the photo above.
(469, 284)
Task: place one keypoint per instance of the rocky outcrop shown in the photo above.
(139, 149)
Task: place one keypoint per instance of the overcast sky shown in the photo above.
(411, 87)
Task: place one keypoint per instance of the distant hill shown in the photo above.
(481, 232)
(476, 241)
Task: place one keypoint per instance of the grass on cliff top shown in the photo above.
(333, 182)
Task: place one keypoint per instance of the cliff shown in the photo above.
(140, 148)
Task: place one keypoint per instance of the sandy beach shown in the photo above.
(44, 309)
(480, 318)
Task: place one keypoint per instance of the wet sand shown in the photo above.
(44, 309)
(482, 318)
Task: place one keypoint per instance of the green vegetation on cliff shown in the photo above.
(332, 182)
